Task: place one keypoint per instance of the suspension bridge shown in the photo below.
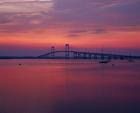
(67, 53)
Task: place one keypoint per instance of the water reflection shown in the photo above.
(40, 86)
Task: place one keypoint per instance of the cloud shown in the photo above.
(19, 23)
(99, 31)
(18, 16)
(73, 35)
(78, 31)
(25, 7)
(77, 16)
(124, 14)
(82, 32)
(100, 13)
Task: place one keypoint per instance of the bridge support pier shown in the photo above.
(95, 57)
(75, 55)
(52, 52)
(89, 56)
(67, 55)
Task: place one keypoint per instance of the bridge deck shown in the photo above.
(78, 54)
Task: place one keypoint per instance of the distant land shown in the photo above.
(124, 57)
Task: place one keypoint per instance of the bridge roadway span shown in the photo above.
(85, 55)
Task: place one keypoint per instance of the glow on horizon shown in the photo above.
(108, 40)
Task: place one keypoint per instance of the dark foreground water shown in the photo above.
(59, 86)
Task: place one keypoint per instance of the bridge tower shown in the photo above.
(67, 49)
(52, 51)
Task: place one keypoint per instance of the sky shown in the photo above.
(31, 27)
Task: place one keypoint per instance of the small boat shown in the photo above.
(104, 61)
(19, 64)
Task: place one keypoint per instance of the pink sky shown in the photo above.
(32, 25)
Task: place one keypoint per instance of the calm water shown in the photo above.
(59, 86)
